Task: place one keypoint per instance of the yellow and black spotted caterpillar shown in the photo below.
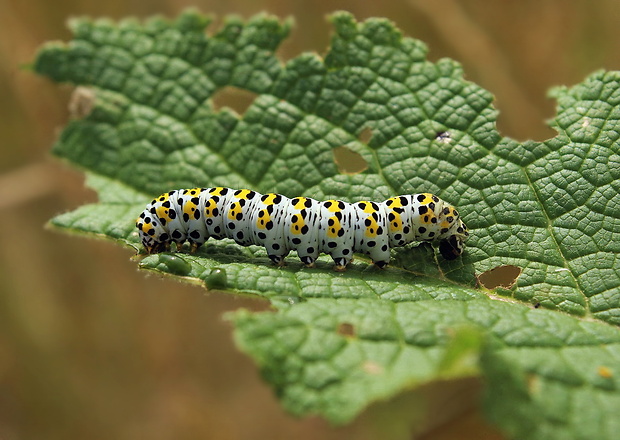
(302, 224)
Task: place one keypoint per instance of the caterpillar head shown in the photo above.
(451, 247)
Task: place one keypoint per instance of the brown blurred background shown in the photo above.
(92, 349)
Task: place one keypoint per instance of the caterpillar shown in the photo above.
(305, 225)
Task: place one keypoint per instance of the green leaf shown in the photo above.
(546, 370)
(145, 123)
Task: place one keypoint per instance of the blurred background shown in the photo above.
(90, 348)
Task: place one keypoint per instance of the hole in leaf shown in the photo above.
(500, 276)
(346, 329)
(234, 98)
(365, 135)
(348, 161)
(81, 102)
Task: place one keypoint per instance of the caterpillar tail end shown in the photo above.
(156, 248)
(151, 249)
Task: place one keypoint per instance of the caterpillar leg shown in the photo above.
(341, 264)
(381, 264)
(308, 261)
(278, 260)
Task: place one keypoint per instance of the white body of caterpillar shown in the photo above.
(305, 225)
